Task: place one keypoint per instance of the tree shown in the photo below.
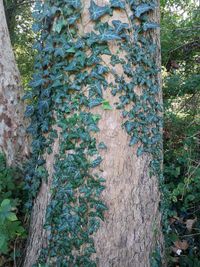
(13, 140)
(96, 125)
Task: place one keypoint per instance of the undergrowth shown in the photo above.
(12, 232)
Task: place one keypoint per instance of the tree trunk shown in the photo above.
(12, 127)
(131, 229)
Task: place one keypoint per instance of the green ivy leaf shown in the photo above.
(43, 106)
(59, 24)
(96, 87)
(96, 162)
(29, 111)
(140, 151)
(119, 26)
(143, 8)
(96, 11)
(150, 25)
(133, 141)
(129, 126)
(118, 4)
(102, 145)
(71, 50)
(74, 3)
(106, 105)
(109, 35)
(93, 102)
(102, 69)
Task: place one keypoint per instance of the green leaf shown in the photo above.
(3, 243)
(102, 145)
(6, 203)
(59, 24)
(96, 11)
(109, 35)
(96, 87)
(43, 106)
(133, 141)
(71, 50)
(143, 8)
(106, 105)
(96, 162)
(118, 4)
(140, 151)
(102, 69)
(93, 102)
(73, 19)
(129, 126)
(96, 117)
(74, 3)
(119, 26)
(150, 25)
(12, 217)
(29, 111)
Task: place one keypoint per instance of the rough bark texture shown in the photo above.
(12, 132)
(132, 224)
(130, 231)
(38, 236)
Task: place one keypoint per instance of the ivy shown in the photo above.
(66, 86)
(97, 12)
(118, 4)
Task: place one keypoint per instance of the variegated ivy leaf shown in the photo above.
(150, 25)
(75, 3)
(143, 8)
(98, 11)
(119, 26)
(117, 4)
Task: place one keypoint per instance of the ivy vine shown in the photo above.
(67, 84)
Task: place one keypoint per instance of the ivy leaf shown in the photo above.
(43, 106)
(102, 69)
(109, 35)
(96, 162)
(58, 25)
(129, 126)
(72, 19)
(28, 95)
(106, 105)
(74, 3)
(140, 151)
(118, 4)
(71, 50)
(59, 52)
(143, 8)
(98, 11)
(29, 111)
(119, 26)
(36, 82)
(150, 25)
(97, 88)
(102, 145)
(133, 141)
(94, 102)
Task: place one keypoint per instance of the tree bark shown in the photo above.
(13, 140)
(131, 229)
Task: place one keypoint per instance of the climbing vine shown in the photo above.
(69, 81)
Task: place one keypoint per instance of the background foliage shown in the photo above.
(180, 25)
